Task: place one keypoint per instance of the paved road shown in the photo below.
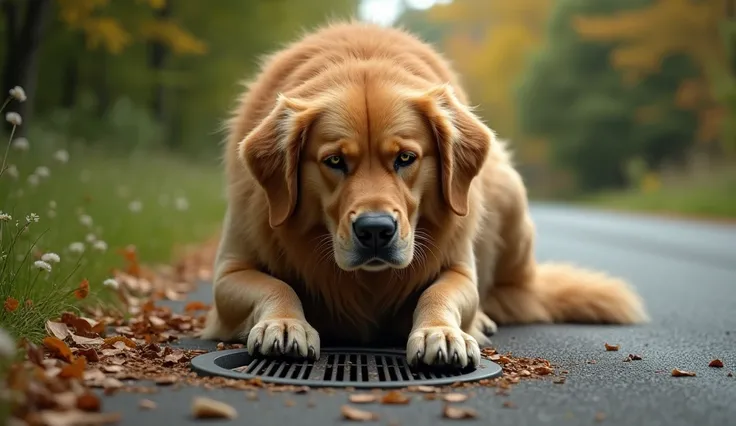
(686, 272)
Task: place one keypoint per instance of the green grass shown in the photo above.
(180, 203)
(710, 196)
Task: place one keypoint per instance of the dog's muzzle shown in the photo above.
(375, 235)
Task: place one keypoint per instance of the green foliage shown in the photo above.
(594, 119)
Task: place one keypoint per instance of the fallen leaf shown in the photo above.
(112, 383)
(89, 402)
(508, 404)
(147, 404)
(112, 368)
(455, 397)
(195, 306)
(600, 416)
(682, 373)
(89, 341)
(90, 354)
(77, 418)
(156, 321)
(544, 370)
(716, 363)
(58, 348)
(611, 348)
(426, 389)
(11, 304)
(395, 397)
(352, 413)
(206, 408)
(455, 412)
(93, 375)
(57, 329)
(166, 380)
(110, 341)
(363, 398)
(75, 369)
(173, 358)
(634, 357)
(559, 381)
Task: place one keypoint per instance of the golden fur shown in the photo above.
(361, 96)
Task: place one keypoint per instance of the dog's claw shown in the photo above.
(312, 352)
(440, 357)
(294, 348)
(256, 348)
(276, 348)
(455, 358)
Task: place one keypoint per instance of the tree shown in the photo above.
(594, 121)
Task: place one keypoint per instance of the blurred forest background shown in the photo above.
(626, 103)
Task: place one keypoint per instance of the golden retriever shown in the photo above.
(369, 205)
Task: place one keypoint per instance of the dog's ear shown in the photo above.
(271, 152)
(462, 139)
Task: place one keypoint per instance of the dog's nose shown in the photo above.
(374, 230)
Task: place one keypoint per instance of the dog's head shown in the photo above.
(360, 160)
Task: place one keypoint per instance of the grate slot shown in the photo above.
(356, 367)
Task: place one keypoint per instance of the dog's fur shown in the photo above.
(285, 273)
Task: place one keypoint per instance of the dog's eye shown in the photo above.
(335, 162)
(404, 159)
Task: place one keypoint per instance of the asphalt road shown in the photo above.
(686, 272)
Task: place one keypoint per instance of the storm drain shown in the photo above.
(339, 367)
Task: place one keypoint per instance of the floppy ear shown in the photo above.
(463, 142)
(271, 152)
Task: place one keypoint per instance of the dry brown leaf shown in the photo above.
(352, 413)
(75, 369)
(196, 306)
(11, 304)
(83, 290)
(77, 418)
(112, 368)
(112, 383)
(58, 348)
(111, 341)
(544, 370)
(508, 404)
(682, 373)
(174, 357)
(206, 408)
(90, 341)
(363, 398)
(89, 402)
(147, 404)
(600, 416)
(395, 397)
(94, 375)
(455, 412)
(166, 380)
(611, 348)
(716, 363)
(455, 397)
(90, 354)
(156, 321)
(57, 329)
(426, 389)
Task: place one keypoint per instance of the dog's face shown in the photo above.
(369, 156)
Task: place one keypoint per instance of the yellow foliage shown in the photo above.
(108, 33)
(176, 38)
(76, 12)
(650, 183)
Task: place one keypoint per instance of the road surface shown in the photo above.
(686, 272)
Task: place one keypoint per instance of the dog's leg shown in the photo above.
(444, 312)
(265, 308)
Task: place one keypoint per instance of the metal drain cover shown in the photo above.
(338, 367)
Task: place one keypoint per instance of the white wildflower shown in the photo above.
(14, 118)
(111, 283)
(4, 217)
(181, 204)
(51, 258)
(33, 180)
(100, 245)
(18, 93)
(21, 144)
(76, 247)
(12, 171)
(7, 345)
(52, 204)
(90, 238)
(85, 220)
(41, 265)
(61, 156)
(32, 217)
(135, 206)
(42, 171)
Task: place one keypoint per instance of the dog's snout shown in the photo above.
(375, 230)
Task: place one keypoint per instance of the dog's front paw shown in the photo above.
(290, 337)
(442, 346)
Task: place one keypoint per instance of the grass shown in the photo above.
(154, 202)
(710, 196)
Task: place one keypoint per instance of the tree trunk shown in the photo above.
(158, 55)
(23, 43)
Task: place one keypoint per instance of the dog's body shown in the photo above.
(305, 165)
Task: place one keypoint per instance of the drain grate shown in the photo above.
(338, 367)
